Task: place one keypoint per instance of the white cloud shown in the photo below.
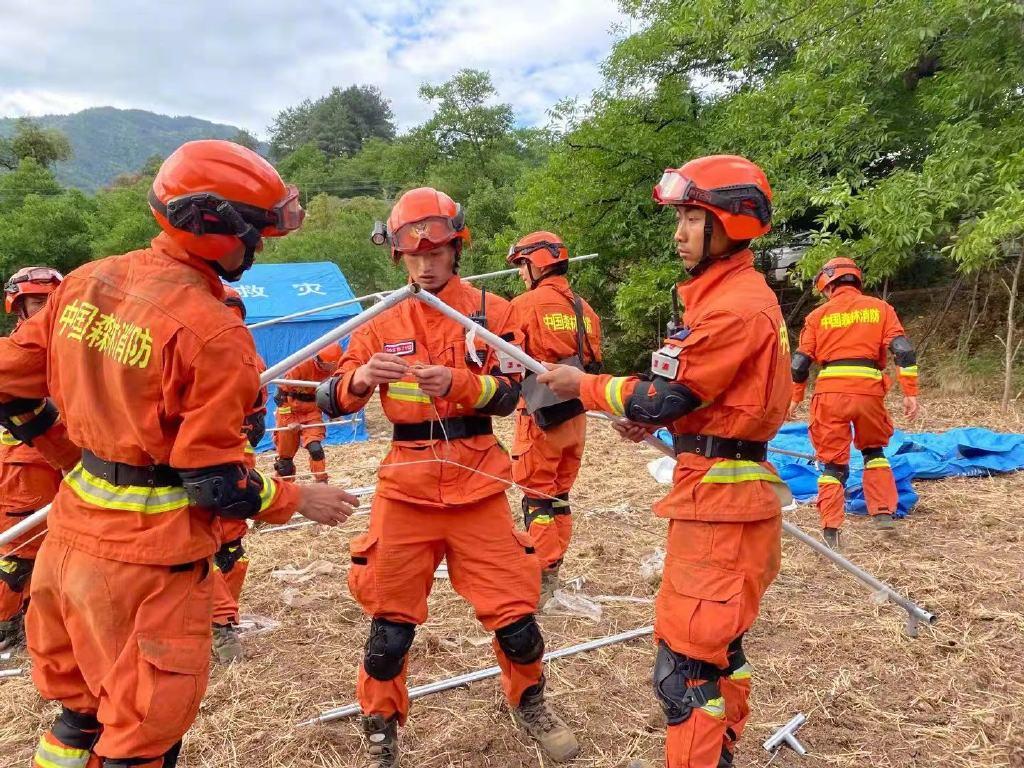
(242, 63)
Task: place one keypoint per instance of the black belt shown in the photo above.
(713, 447)
(305, 397)
(854, 361)
(455, 428)
(116, 473)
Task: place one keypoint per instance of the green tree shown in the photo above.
(247, 140)
(29, 178)
(31, 141)
(47, 230)
(337, 124)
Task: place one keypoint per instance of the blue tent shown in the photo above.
(272, 290)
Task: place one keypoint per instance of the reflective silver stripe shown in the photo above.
(52, 756)
(738, 471)
(127, 498)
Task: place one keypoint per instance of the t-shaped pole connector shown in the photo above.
(786, 735)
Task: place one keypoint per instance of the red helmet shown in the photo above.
(234, 301)
(731, 187)
(425, 218)
(836, 269)
(38, 281)
(327, 359)
(541, 249)
(209, 194)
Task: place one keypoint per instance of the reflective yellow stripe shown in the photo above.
(7, 566)
(559, 503)
(877, 464)
(284, 409)
(269, 492)
(543, 520)
(828, 479)
(249, 448)
(715, 707)
(743, 673)
(730, 471)
(407, 391)
(127, 498)
(488, 386)
(53, 756)
(25, 419)
(6, 438)
(851, 371)
(910, 371)
(613, 394)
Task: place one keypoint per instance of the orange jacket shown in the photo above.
(307, 371)
(547, 319)
(420, 334)
(733, 353)
(852, 326)
(147, 366)
(27, 483)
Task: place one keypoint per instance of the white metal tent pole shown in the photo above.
(26, 525)
(381, 295)
(482, 674)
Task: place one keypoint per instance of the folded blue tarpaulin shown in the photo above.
(962, 452)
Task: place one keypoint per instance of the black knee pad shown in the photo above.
(76, 729)
(673, 673)
(15, 572)
(521, 640)
(284, 467)
(386, 647)
(534, 508)
(228, 555)
(840, 472)
(872, 453)
(316, 451)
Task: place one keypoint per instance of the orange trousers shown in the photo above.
(836, 418)
(230, 565)
(288, 442)
(545, 464)
(715, 576)
(127, 643)
(490, 563)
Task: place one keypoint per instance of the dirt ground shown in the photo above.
(952, 697)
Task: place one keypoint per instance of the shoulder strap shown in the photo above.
(581, 331)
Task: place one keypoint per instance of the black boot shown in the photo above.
(381, 741)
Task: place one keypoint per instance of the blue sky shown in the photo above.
(241, 63)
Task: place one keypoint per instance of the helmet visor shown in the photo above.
(289, 214)
(518, 252)
(39, 275)
(436, 230)
(744, 200)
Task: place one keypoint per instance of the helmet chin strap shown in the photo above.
(244, 231)
(705, 255)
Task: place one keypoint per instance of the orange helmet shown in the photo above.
(38, 281)
(209, 194)
(731, 187)
(425, 218)
(541, 249)
(234, 301)
(327, 359)
(836, 269)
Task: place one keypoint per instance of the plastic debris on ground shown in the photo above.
(251, 625)
(302, 575)
(652, 565)
(567, 603)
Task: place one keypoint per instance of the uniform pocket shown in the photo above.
(525, 541)
(707, 602)
(362, 582)
(173, 673)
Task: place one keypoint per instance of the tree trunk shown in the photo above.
(942, 315)
(1011, 349)
(964, 339)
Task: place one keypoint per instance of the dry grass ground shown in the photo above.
(953, 697)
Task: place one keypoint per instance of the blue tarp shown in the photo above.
(962, 452)
(272, 290)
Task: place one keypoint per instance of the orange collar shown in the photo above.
(694, 292)
(163, 245)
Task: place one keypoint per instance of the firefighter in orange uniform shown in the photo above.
(231, 563)
(721, 385)
(848, 336)
(296, 410)
(27, 480)
(154, 377)
(441, 489)
(558, 327)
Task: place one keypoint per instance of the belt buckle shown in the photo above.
(739, 449)
(151, 480)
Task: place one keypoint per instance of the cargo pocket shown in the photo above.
(708, 602)
(173, 672)
(531, 566)
(362, 580)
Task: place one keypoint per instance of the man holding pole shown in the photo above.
(441, 488)
(720, 383)
(153, 376)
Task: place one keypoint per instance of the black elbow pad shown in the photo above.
(28, 419)
(325, 397)
(800, 367)
(660, 402)
(255, 427)
(504, 401)
(903, 352)
(228, 490)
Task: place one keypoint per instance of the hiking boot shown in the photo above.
(831, 537)
(535, 717)
(884, 521)
(227, 645)
(548, 584)
(12, 633)
(381, 741)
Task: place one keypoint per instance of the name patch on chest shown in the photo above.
(401, 348)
